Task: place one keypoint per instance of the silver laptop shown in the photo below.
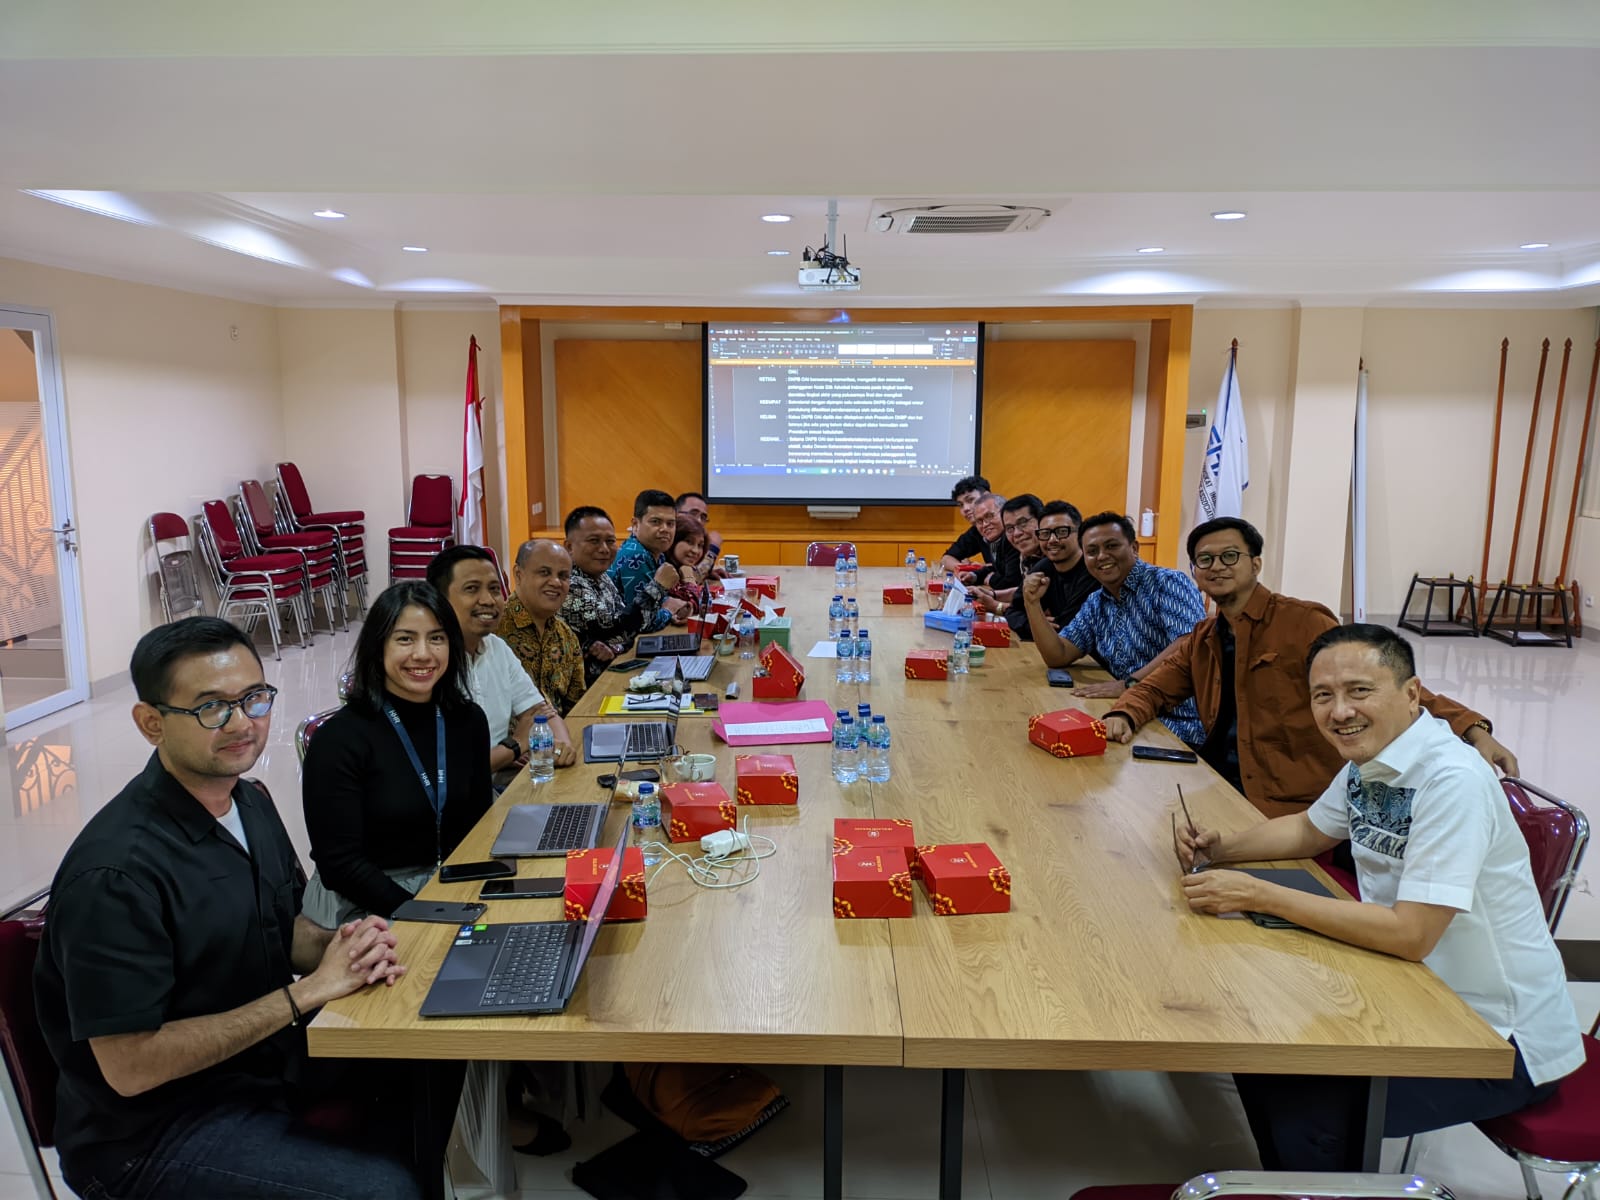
(548, 830)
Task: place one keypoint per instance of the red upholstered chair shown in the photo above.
(308, 729)
(430, 519)
(319, 548)
(1302, 1184)
(176, 573)
(30, 1073)
(251, 585)
(295, 515)
(823, 554)
(1339, 875)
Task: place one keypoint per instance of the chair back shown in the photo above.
(176, 572)
(218, 521)
(256, 508)
(1557, 834)
(307, 730)
(293, 488)
(823, 554)
(431, 506)
(32, 1071)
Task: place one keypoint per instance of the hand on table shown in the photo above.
(358, 954)
(1118, 728)
(1202, 846)
(601, 652)
(1223, 892)
(566, 754)
(983, 597)
(1109, 690)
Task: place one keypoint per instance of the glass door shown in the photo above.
(42, 661)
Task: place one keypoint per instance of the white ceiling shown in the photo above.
(1390, 153)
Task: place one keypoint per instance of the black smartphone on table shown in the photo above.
(522, 889)
(1059, 677)
(629, 665)
(1162, 754)
(441, 912)
(637, 775)
(491, 868)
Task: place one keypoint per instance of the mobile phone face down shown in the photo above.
(1161, 754)
(492, 868)
(630, 665)
(522, 889)
(441, 912)
(1059, 677)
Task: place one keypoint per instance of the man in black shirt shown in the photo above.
(1058, 583)
(1014, 556)
(166, 976)
(971, 544)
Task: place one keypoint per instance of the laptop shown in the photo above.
(643, 741)
(533, 967)
(548, 830)
(691, 668)
(653, 644)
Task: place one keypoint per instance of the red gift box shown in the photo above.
(872, 883)
(696, 809)
(707, 626)
(765, 585)
(766, 779)
(927, 664)
(1069, 733)
(586, 868)
(935, 587)
(784, 675)
(996, 634)
(964, 878)
(867, 833)
(897, 595)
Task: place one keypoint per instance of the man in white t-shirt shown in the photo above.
(469, 579)
(1445, 881)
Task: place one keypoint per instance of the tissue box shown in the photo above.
(897, 595)
(872, 883)
(586, 868)
(692, 810)
(942, 621)
(964, 878)
(763, 585)
(1069, 733)
(775, 629)
(927, 664)
(784, 675)
(867, 833)
(991, 633)
(766, 779)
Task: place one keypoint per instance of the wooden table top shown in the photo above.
(1099, 965)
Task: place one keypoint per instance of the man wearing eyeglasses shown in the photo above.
(1019, 519)
(166, 977)
(1245, 669)
(1059, 582)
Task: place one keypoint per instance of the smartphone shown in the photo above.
(705, 701)
(637, 775)
(490, 869)
(1161, 754)
(1059, 677)
(522, 889)
(630, 665)
(443, 912)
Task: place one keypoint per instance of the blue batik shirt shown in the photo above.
(634, 569)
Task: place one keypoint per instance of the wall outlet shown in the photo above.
(1588, 601)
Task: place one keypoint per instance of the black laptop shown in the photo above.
(653, 644)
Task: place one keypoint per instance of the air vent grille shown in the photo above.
(961, 222)
(957, 218)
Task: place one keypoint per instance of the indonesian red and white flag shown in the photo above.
(469, 513)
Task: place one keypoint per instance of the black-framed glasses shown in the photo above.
(1227, 558)
(1024, 523)
(214, 714)
(1056, 533)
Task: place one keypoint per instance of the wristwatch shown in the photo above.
(510, 744)
(1129, 681)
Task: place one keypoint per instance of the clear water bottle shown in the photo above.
(846, 750)
(745, 627)
(852, 615)
(921, 580)
(541, 751)
(835, 616)
(863, 711)
(875, 760)
(644, 824)
(961, 653)
(841, 572)
(845, 670)
(966, 615)
(911, 567)
(852, 567)
(863, 659)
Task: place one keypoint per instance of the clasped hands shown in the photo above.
(359, 954)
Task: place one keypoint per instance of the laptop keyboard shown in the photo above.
(649, 739)
(528, 970)
(567, 827)
(694, 667)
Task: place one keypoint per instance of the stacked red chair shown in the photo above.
(320, 548)
(176, 571)
(251, 585)
(296, 515)
(430, 519)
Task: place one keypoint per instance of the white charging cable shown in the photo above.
(734, 867)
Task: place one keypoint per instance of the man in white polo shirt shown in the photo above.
(468, 578)
(1445, 881)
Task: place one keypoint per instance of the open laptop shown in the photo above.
(640, 741)
(691, 668)
(653, 644)
(548, 830)
(533, 967)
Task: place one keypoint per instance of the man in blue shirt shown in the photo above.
(655, 520)
(1138, 612)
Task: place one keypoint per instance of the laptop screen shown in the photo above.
(597, 914)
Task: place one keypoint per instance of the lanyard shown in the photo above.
(434, 790)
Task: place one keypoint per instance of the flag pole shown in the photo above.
(1577, 470)
(1550, 467)
(1358, 501)
(1494, 474)
(1527, 465)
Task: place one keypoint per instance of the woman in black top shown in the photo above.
(376, 833)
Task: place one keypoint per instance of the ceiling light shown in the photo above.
(415, 249)
(329, 214)
(777, 218)
(1229, 214)
(1152, 249)
(1534, 246)
(777, 253)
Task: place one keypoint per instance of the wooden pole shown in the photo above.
(1577, 473)
(1527, 465)
(1550, 467)
(1494, 475)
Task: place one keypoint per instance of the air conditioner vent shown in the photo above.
(961, 218)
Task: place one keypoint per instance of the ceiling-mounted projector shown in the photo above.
(829, 270)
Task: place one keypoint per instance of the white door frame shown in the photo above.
(53, 421)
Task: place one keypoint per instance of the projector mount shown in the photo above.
(826, 268)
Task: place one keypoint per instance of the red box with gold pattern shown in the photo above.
(763, 585)
(964, 878)
(935, 587)
(783, 679)
(927, 664)
(1068, 733)
(873, 882)
(707, 626)
(872, 833)
(766, 779)
(585, 870)
(995, 634)
(692, 810)
(897, 595)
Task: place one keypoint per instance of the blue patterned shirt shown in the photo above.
(633, 569)
(1157, 605)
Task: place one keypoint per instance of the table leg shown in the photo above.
(1372, 1133)
(833, 1133)
(952, 1126)
(436, 1093)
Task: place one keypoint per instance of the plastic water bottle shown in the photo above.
(863, 711)
(841, 572)
(875, 767)
(852, 615)
(966, 615)
(852, 567)
(863, 659)
(645, 824)
(541, 751)
(961, 653)
(835, 616)
(846, 750)
(921, 580)
(911, 567)
(846, 651)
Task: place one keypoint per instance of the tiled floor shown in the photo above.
(1028, 1134)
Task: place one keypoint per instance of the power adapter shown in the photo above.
(724, 842)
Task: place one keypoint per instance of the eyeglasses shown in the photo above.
(1056, 533)
(1227, 558)
(1025, 523)
(214, 714)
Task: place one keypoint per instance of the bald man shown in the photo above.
(546, 645)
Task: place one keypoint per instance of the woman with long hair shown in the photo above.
(687, 551)
(395, 779)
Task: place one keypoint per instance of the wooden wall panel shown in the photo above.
(1056, 418)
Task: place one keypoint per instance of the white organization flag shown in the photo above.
(1225, 473)
(469, 512)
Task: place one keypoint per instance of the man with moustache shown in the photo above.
(1059, 582)
(1014, 555)
(644, 555)
(545, 644)
(594, 607)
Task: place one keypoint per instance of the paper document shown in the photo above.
(955, 592)
(778, 728)
(733, 583)
(824, 650)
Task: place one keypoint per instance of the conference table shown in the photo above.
(1099, 965)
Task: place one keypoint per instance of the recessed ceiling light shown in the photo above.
(329, 214)
(777, 218)
(777, 253)
(1534, 246)
(1229, 214)
(1152, 249)
(415, 249)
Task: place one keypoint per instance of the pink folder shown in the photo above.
(736, 713)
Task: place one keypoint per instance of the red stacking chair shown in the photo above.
(430, 519)
(30, 1073)
(1305, 1185)
(318, 547)
(308, 729)
(252, 585)
(176, 571)
(823, 554)
(295, 514)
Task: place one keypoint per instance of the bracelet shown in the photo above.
(1483, 725)
(294, 1009)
